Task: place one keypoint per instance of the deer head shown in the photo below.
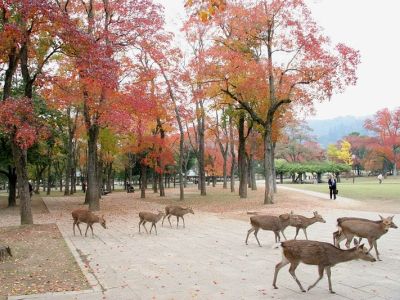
(190, 210)
(362, 252)
(318, 217)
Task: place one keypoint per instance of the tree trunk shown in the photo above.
(201, 128)
(155, 182)
(92, 192)
(109, 176)
(143, 175)
(269, 192)
(232, 148)
(273, 168)
(161, 184)
(20, 161)
(12, 185)
(48, 178)
(242, 164)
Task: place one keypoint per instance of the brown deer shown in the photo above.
(301, 222)
(323, 255)
(271, 223)
(4, 252)
(178, 211)
(372, 231)
(151, 218)
(82, 215)
(336, 234)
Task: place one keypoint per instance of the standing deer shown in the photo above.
(301, 222)
(336, 234)
(178, 211)
(82, 215)
(271, 223)
(372, 231)
(323, 255)
(150, 217)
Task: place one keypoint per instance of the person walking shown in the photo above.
(332, 187)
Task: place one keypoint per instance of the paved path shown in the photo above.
(325, 196)
(209, 260)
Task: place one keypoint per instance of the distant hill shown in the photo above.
(331, 130)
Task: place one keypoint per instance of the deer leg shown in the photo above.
(248, 233)
(305, 233)
(155, 228)
(328, 273)
(255, 234)
(277, 237)
(183, 219)
(151, 228)
(91, 227)
(297, 232)
(339, 237)
(140, 223)
(162, 223)
(177, 221)
(283, 235)
(77, 224)
(87, 227)
(349, 239)
(144, 225)
(321, 274)
(376, 250)
(169, 221)
(279, 266)
(292, 268)
(73, 227)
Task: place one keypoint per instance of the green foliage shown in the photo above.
(285, 167)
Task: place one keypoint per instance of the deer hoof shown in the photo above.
(275, 287)
(332, 292)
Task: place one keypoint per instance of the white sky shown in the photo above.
(369, 26)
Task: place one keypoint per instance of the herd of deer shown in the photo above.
(322, 254)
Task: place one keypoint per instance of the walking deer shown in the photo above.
(336, 234)
(178, 211)
(271, 223)
(152, 218)
(370, 230)
(301, 222)
(82, 215)
(323, 255)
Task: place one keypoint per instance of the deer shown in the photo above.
(271, 223)
(372, 231)
(336, 234)
(82, 215)
(4, 252)
(301, 222)
(178, 211)
(145, 216)
(321, 254)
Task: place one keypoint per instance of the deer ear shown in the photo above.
(356, 242)
(381, 217)
(391, 217)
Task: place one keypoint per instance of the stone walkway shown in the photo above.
(209, 260)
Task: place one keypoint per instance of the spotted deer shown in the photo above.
(323, 255)
(271, 223)
(178, 211)
(301, 222)
(150, 217)
(82, 215)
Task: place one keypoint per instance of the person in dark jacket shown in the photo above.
(332, 187)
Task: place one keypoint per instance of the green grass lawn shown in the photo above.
(364, 188)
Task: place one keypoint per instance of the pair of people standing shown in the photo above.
(332, 187)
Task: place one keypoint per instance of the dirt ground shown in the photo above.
(41, 260)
